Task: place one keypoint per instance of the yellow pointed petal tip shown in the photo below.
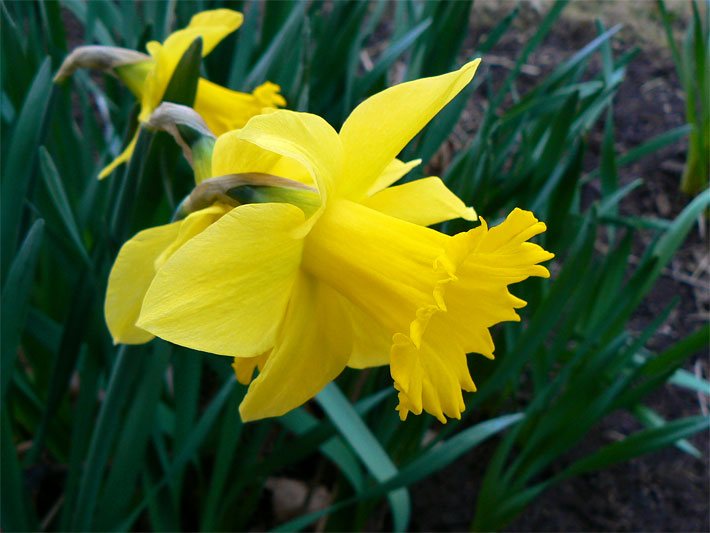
(120, 159)
(424, 202)
(383, 124)
(306, 355)
(268, 95)
(244, 367)
(429, 364)
(215, 25)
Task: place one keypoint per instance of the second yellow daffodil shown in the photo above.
(148, 76)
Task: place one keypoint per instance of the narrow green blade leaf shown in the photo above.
(651, 418)
(61, 202)
(446, 452)
(639, 443)
(133, 439)
(284, 38)
(20, 158)
(388, 58)
(366, 446)
(191, 447)
(683, 378)
(14, 513)
(119, 389)
(183, 84)
(16, 302)
(442, 455)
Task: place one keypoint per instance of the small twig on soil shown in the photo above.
(652, 84)
(691, 280)
(366, 61)
(500, 61)
(51, 514)
(703, 399)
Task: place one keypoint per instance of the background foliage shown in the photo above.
(96, 436)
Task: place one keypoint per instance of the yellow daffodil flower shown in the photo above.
(343, 272)
(148, 76)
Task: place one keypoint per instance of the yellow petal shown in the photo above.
(121, 158)
(312, 348)
(225, 110)
(131, 275)
(232, 155)
(211, 26)
(436, 374)
(244, 367)
(371, 341)
(425, 202)
(381, 126)
(303, 137)
(225, 291)
(394, 171)
(134, 75)
(194, 224)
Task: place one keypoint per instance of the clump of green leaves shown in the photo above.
(692, 62)
(96, 436)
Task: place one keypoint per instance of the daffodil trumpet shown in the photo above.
(346, 273)
(148, 76)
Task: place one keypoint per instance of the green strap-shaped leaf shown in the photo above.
(183, 84)
(396, 49)
(639, 443)
(133, 439)
(16, 303)
(123, 377)
(365, 445)
(651, 418)
(60, 201)
(14, 512)
(20, 159)
(281, 42)
(189, 450)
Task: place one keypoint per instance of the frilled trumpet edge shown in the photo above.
(429, 364)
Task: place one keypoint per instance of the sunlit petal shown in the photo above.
(211, 26)
(225, 110)
(121, 158)
(233, 155)
(425, 202)
(392, 173)
(381, 126)
(303, 137)
(371, 341)
(244, 367)
(306, 356)
(225, 291)
(130, 277)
